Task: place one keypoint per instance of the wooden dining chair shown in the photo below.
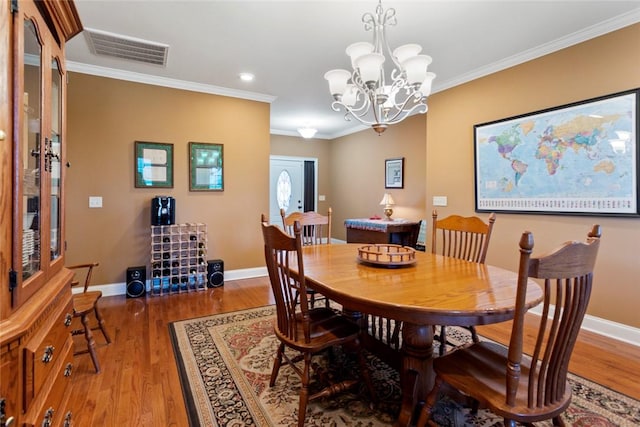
(527, 389)
(316, 230)
(305, 330)
(464, 238)
(84, 304)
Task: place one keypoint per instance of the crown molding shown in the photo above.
(583, 35)
(131, 76)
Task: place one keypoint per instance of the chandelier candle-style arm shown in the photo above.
(373, 96)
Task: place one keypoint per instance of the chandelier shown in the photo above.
(370, 94)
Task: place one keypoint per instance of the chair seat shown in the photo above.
(85, 302)
(480, 368)
(327, 328)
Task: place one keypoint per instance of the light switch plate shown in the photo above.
(439, 200)
(321, 198)
(95, 201)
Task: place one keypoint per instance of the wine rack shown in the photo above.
(178, 258)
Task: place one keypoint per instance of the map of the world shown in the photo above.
(574, 159)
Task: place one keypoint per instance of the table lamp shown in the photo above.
(388, 202)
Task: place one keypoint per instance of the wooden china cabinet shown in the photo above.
(36, 349)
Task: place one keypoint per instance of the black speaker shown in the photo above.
(215, 273)
(136, 281)
(163, 210)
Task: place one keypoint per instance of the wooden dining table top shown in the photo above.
(434, 290)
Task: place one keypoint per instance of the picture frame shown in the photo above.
(206, 171)
(153, 167)
(575, 159)
(394, 173)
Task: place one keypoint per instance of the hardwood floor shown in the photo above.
(139, 384)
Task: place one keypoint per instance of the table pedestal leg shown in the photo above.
(417, 369)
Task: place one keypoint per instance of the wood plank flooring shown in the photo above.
(139, 383)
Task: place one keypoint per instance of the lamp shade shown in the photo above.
(350, 96)
(337, 81)
(425, 87)
(406, 51)
(387, 200)
(370, 66)
(356, 50)
(416, 68)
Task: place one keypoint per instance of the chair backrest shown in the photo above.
(81, 270)
(290, 291)
(566, 276)
(462, 237)
(316, 228)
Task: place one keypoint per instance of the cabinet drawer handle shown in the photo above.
(48, 418)
(48, 354)
(67, 420)
(68, 319)
(68, 369)
(4, 421)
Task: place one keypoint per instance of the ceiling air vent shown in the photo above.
(119, 46)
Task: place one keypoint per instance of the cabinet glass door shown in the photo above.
(53, 160)
(31, 151)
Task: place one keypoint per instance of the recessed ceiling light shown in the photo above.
(246, 77)
(307, 132)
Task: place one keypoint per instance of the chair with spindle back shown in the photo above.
(304, 330)
(316, 230)
(518, 387)
(464, 238)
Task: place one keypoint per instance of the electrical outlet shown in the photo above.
(95, 201)
(439, 200)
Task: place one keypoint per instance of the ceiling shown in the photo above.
(289, 45)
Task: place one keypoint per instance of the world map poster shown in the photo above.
(580, 158)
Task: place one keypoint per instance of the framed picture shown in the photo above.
(153, 165)
(394, 173)
(205, 167)
(580, 159)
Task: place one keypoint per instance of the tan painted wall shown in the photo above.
(602, 66)
(309, 148)
(106, 116)
(357, 173)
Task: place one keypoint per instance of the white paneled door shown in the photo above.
(286, 187)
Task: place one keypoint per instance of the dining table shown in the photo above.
(428, 290)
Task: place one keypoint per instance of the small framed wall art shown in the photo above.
(394, 173)
(153, 165)
(205, 167)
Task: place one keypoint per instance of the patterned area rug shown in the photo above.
(225, 363)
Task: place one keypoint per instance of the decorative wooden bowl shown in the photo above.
(387, 255)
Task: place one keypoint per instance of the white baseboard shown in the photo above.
(113, 289)
(609, 329)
